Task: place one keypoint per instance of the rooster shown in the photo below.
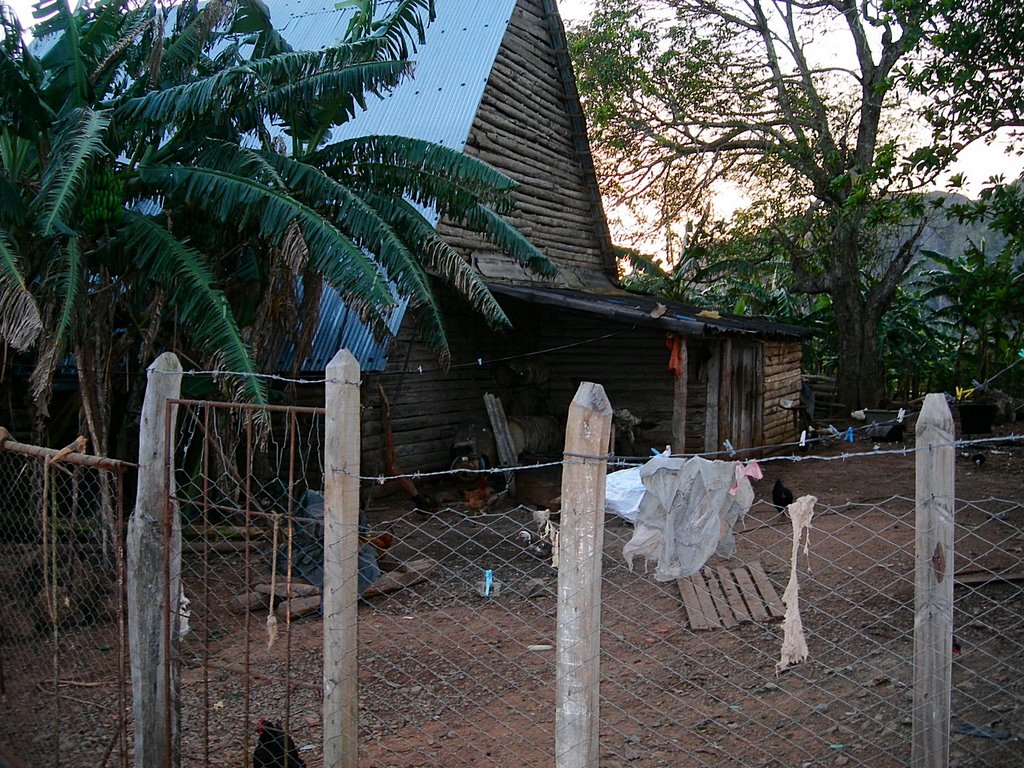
(275, 748)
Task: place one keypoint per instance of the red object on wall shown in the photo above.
(674, 344)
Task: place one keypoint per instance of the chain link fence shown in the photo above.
(457, 633)
(458, 616)
(63, 684)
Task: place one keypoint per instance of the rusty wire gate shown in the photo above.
(64, 690)
(248, 481)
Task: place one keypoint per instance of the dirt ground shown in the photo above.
(451, 678)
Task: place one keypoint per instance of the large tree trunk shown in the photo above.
(860, 378)
(860, 375)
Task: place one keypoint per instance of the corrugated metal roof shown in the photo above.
(437, 104)
(451, 69)
(636, 309)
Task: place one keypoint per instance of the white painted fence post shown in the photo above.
(933, 585)
(154, 575)
(341, 562)
(580, 544)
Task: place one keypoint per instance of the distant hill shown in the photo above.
(950, 237)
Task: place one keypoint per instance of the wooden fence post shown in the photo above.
(580, 545)
(154, 575)
(933, 585)
(341, 562)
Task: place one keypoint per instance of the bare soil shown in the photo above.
(451, 678)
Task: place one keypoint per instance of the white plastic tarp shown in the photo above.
(687, 513)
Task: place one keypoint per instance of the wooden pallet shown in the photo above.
(726, 597)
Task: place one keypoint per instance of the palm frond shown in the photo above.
(20, 322)
(186, 46)
(136, 26)
(271, 86)
(361, 222)
(241, 201)
(509, 239)
(253, 18)
(403, 29)
(203, 310)
(77, 141)
(440, 258)
(21, 107)
(425, 172)
(70, 285)
(65, 56)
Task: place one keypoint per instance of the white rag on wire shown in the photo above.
(794, 644)
(688, 511)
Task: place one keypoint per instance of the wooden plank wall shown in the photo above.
(429, 404)
(783, 363)
(736, 385)
(522, 128)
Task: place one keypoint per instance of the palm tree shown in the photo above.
(146, 203)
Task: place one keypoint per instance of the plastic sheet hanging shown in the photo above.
(688, 511)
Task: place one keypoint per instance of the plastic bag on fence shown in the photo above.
(688, 512)
(623, 491)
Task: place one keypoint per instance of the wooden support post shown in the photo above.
(581, 541)
(341, 562)
(713, 404)
(507, 455)
(679, 397)
(933, 585)
(154, 575)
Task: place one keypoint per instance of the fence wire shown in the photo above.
(63, 666)
(457, 631)
(457, 620)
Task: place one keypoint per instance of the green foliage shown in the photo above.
(147, 205)
(683, 95)
(980, 300)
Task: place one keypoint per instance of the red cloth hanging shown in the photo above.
(674, 343)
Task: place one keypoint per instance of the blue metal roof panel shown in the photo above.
(451, 68)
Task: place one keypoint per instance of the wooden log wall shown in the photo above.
(783, 362)
(523, 129)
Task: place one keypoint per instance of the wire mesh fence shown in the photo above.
(458, 616)
(63, 688)
(248, 490)
(458, 629)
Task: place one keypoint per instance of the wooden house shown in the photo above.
(494, 79)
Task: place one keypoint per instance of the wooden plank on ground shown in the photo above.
(768, 592)
(739, 609)
(694, 614)
(750, 595)
(984, 577)
(707, 605)
(718, 597)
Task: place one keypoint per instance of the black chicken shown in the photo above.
(782, 497)
(275, 748)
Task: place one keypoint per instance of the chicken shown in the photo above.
(478, 499)
(782, 497)
(275, 748)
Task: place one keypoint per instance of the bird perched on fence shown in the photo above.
(275, 748)
(782, 497)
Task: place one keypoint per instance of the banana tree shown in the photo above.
(980, 300)
(169, 182)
